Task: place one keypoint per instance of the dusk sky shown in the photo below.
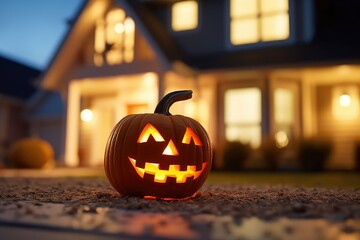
(31, 30)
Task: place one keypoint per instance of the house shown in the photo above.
(45, 115)
(16, 87)
(259, 69)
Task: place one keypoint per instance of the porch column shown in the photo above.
(72, 125)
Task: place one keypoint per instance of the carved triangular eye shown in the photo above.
(170, 149)
(147, 131)
(190, 134)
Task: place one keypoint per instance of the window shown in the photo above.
(253, 21)
(114, 39)
(184, 15)
(243, 115)
(284, 108)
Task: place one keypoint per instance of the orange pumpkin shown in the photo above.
(158, 155)
(31, 153)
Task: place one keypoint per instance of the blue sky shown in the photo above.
(31, 30)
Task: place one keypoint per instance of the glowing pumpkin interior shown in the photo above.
(174, 171)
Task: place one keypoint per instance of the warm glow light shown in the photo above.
(274, 5)
(254, 21)
(244, 31)
(160, 176)
(171, 149)
(129, 25)
(119, 28)
(243, 115)
(86, 115)
(345, 100)
(129, 40)
(99, 43)
(284, 106)
(184, 15)
(147, 131)
(118, 31)
(275, 27)
(242, 8)
(189, 134)
(170, 199)
(281, 139)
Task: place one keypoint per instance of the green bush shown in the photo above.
(313, 153)
(271, 153)
(235, 154)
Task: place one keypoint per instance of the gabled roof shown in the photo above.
(334, 39)
(17, 80)
(65, 56)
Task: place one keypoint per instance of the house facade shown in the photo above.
(259, 69)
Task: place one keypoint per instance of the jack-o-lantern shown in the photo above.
(158, 155)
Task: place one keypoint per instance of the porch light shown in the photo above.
(345, 100)
(86, 115)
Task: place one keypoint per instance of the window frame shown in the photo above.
(104, 54)
(290, 40)
(199, 17)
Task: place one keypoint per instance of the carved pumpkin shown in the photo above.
(158, 155)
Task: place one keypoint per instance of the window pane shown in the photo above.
(247, 134)
(243, 106)
(241, 8)
(267, 6)
(185, 15)
(244, 31)
(284, 106)
(275, 27)
(99, 44)
(113, 18)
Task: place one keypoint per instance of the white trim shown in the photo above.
(72, 125)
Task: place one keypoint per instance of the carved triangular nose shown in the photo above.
(171, 149)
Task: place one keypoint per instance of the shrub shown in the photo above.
(271, 153)
(235, 154)
(313, 153)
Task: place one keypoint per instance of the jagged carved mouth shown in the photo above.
(160, 176)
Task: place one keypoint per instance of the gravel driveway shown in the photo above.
(214, 206)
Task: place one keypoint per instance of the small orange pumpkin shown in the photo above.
(31, 153)
(158, 155)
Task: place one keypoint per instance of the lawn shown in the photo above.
(323, 179)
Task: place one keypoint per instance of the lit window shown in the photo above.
(284, 116)
(243, 115)
(253, 21)
(184, 15)
(114, 39)
(284, 106)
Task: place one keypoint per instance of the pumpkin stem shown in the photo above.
(165, 103)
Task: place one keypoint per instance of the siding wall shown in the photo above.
(343, 133)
